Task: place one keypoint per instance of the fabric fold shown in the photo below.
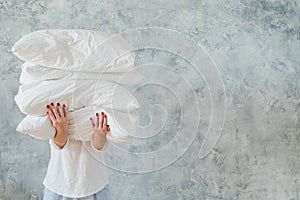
(88, 71)
(122, 125)
(34, 73)
(32, 98)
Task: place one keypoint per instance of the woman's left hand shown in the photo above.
(100, 128)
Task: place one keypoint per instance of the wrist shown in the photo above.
(62, 132)
(60, 139)
(61, 145)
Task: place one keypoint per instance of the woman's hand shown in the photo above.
(101, 128)
(59, 118)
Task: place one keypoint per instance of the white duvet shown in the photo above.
(89, 71)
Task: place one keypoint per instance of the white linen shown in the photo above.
(64, 65)
(76, 50)
(37, 127)
(33, 98)
(34, 73)
(121, 125)
(76, 170)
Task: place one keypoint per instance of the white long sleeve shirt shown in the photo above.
(76, 170)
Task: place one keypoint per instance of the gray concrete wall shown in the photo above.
(255, 45)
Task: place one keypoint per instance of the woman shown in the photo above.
(74, 170)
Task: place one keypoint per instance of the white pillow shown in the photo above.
(76, 50)
(34, 73)
(121, 125)
(33, 98)
(37, 127)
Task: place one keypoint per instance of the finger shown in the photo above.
(101, 121)
(105, 121)
(60, 111)
(50, 114)
(97, 120)
(92, 122)
(51, 111)
(54, 110)
(65, 111)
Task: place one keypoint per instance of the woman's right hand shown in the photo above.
(59, 118)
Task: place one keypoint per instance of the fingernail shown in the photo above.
(90, 118)
(102, 113)
(47, 113)
(64, 105)
(107, 125)
(52, 104)
(105, 116)
(58, 104)
(48, 106)
(97, 114)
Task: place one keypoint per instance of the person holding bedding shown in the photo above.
(73, 171)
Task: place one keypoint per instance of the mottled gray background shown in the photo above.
(255, 44)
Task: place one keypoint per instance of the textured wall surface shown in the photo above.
(255, 44)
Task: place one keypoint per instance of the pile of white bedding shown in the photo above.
(88, 71)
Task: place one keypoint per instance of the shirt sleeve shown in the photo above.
(103, 148)
(52, 143)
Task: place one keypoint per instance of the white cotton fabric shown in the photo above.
(76, 50)
(34, 73)
(121, 124)
(32, 98)
(76, 170)
(37, 127)
(88, 71)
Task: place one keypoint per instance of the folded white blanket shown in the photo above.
(32, 98)
(86, 70)
(76, 50)
(32, 73)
